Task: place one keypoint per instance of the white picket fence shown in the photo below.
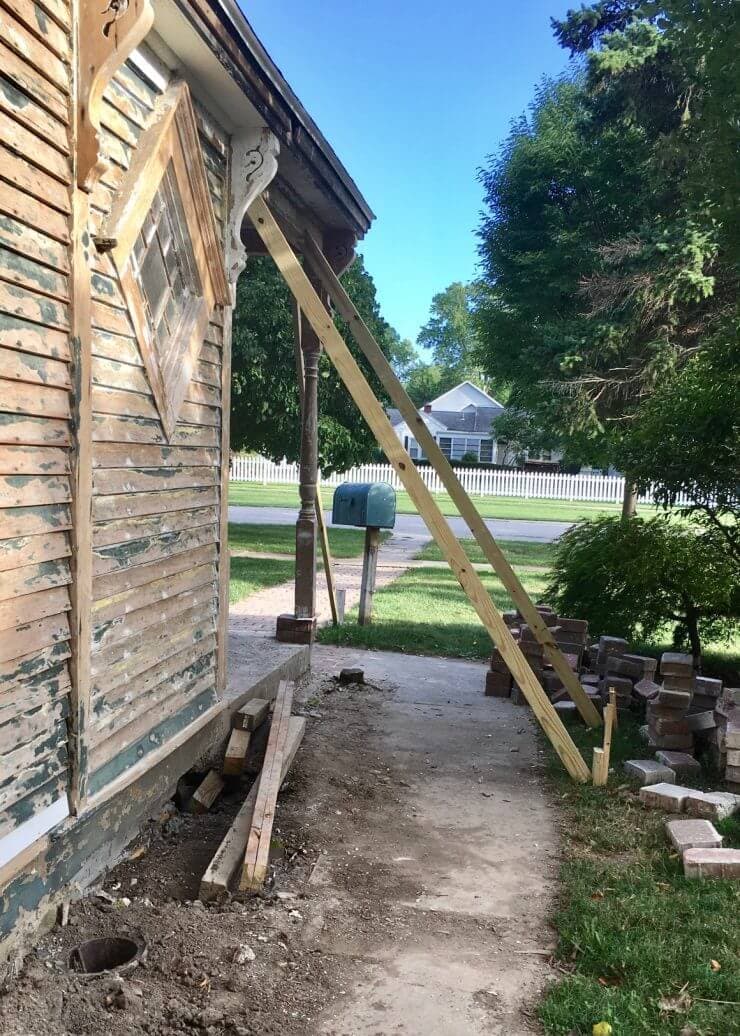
(534, 485)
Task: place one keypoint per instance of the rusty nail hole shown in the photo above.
(111, 953)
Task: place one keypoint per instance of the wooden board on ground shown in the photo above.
(230, 853)
(252, 714)
(257, 856)
(600, 765)
(236, 752)
(206, 793)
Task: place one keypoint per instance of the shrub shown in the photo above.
(632, 577)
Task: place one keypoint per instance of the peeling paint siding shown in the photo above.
(155, 503)
(35, 409)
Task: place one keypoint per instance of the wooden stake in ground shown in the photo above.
(373, 412)
(600, 767)
(257, 855)
(331, 284)
(369, 566)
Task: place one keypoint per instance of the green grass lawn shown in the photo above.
(248, 575)
(632, 930)
(518, 552)
(280, 539)
(254, 494)
(425, 612)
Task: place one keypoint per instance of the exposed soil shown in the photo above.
(337, 904)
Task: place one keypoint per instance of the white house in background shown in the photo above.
(460, 421)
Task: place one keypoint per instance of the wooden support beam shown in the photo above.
(253, 714)
(373, 412)
(206, 793)
(320, 521)
(230, 853)
(236, 753)
(369, 566)
(257, 856)
(600, 767)
(323, 272)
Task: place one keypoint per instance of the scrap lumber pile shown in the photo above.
(246, 845)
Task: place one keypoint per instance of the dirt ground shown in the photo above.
(414, 856)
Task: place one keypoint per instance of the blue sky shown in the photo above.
(413, 95)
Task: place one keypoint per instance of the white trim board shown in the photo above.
(25, 834)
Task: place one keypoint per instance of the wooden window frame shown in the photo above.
(171, 139)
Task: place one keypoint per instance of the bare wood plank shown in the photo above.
(49, 34)
(114, 584)
(107, 318)
(130, 624)
(16, 170)
(33, 777)
(34, 521)
(134, 404)
(150, 593)
(49, 744)
(116, 375)
(25, 727)
(121, 97)
(17, 269)
(145, 480)
(33, 803)
(134, 455)
(30, 579)
(24, 109)
(108, 428)
(22, 611)
(18, 673)
(45, 689)
(150, 527)
(257, 854)
(210, 354)
(16, 333)
(37, 431)
(34, 400)
(33, 460)
(107, 290)
(118, 123)
(186, 691)
(33, 637)
(14, 67)
(32, 550)
(22, 302)
(224, 560)
(130, 504)
(374, 414)
(230, 853)
(252, 715)
(27, 145)
(33, 369)
(30, 490)
(208, 373)
(148, 665)
(130, 80)
(133, 553)
(28, 46)
(58, 10)
(236, 752)
(206, 793)
(116, 347)
(17, 204)
(37, 246)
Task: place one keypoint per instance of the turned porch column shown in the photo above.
(300, 627)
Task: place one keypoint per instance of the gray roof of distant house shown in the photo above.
(478, 420)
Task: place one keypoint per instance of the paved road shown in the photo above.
(413, 525)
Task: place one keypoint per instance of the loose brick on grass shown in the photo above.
(693, 834)
(713, 805)
(682, 764)
(647, 771)
(670, 797)
(712, 863)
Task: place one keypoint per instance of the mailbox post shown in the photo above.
(372, 506)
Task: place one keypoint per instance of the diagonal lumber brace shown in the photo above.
(372, 411)
(331, 284)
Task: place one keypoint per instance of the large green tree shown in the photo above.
(265, 409)
(604, 271)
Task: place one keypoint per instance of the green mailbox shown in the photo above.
(369, 505)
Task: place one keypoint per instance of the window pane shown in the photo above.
(445, 445)
(486, 450)
(154, 280)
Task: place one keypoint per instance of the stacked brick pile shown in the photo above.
(667, 712)
(726, 740)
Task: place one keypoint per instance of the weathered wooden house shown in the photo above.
(133, 137)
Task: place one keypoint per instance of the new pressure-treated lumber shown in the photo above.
(206, 793)
(373, 413)
(321, 268)
(230, 853)
(236, 752)
(600, 767)
(257, 855)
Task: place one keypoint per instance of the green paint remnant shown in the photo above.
(13, 96)
(41, 19)
(104, 286)
(13, 229)
(85, 238)
(30, 271)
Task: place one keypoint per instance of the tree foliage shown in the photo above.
(265, 408)
(633, 578)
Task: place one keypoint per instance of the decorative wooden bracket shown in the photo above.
(254, 164)
(107, 35)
